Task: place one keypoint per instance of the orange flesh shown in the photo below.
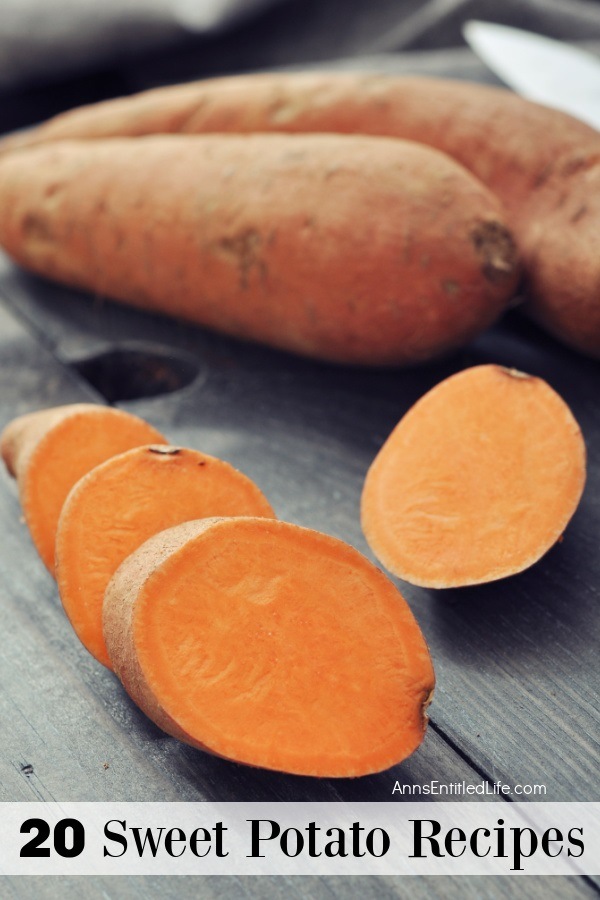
(284, 648)
(476, 482)
(120, 504)
(69, 450)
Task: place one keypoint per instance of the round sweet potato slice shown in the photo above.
(272, 645)
(123, 502)
(48, 451)
(476, 482)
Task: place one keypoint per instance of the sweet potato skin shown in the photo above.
(129, 600)
(349, 249)
(559, 241)
(22, 435)
(118, 611)
(440, 112)
(543, 164)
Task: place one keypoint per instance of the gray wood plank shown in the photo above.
(516, 661)
(69, 733)
(63, 716)
(279, 888)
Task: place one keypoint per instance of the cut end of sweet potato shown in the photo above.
(50, 450)
(477, 481)
(271, 645)
(120, 504)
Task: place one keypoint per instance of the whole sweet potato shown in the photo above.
(346, 248)
(543, 164)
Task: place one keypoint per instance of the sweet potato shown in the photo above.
(543, 164)
(119, 504)
(50, 450)
(271, 645)
(346, 248)
(476, 482)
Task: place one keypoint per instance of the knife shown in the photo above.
(539, 68)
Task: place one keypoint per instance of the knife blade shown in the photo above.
(540, 68)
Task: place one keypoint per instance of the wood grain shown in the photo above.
(516, 661)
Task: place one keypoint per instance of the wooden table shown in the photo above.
(516, 661)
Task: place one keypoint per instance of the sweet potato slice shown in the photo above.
(50, 450)
(272, 645)
(126, 500)
(476, 482)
